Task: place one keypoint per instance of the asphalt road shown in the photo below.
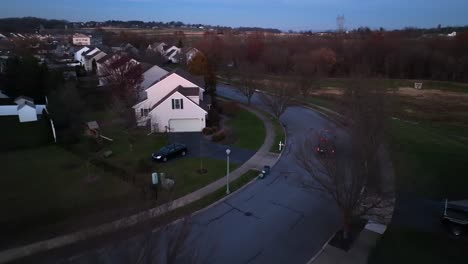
(274, 220)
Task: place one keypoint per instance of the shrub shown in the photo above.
(218, 136)
(230, 108)
(213, 118)
(207, 131)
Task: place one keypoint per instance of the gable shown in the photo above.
(189, 105)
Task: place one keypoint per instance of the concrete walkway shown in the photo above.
(257, 161)
(359, 252)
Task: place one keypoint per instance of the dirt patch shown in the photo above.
(408, 91)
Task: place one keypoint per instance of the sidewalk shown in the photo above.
(257, 161)
(358, 254)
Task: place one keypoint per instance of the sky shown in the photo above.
(282, 14)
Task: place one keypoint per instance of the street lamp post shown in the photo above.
(228, 151)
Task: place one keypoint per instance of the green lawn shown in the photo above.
(429, 161)
(16, 135)
(249, 130)
(409, 246)
(279, 135)
(185, 173)
(43, 186)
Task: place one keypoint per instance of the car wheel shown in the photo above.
(165, 159)
(183, 153)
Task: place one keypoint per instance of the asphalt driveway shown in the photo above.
(199, 146)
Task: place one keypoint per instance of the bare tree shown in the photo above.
(247, 82)
(277, 96)
(352, 177)
(123, 75)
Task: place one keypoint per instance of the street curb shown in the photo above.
(236, 191)
(322, 248)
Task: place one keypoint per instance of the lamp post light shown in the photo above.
(228, 151)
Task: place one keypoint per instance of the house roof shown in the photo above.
(198, 80)
(24, 98)
(7, 101)
(80, 35)
(94, 55)
(177, 89)
(105, 58)
(30, 104)
(92, 125)
(189, 91)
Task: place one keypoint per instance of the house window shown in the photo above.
(144, 111)
(177, 104)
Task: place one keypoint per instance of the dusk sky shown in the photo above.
(283, 14)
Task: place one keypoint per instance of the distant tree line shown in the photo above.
(382, 54)
(29, 24)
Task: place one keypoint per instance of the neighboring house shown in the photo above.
(173, 104)
(104, 62)
(172, 54)
(78, 54)
(90, 59)
(23, 107)
(81, 39)
(187, 54)
(127, 48)
(150, 77)
(157, 47)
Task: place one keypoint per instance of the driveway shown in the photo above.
(275, 220)
(199, 146)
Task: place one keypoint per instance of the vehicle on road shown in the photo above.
(455, 217)
(169, 151)
(325, 142)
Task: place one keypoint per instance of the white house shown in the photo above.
(187, 54)
(78, 55)
(23, 107)
(157, 47)
(172, 54)
(81, 39)
(173, 104)
(91, 57)
(27, 112)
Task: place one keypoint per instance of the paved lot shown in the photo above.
(198, 146)
(275, 220)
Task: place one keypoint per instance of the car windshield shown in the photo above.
(165, 150)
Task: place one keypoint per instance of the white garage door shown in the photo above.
(185, 125)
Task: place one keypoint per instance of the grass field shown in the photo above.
(429, 161)
(248, 129)
(185, 173)
(48, 185)
(409, 246)
(16, 135)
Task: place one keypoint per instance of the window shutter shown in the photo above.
(181, 103)
(141, 111)
(173, 103)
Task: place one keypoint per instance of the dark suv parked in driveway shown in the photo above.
(169, 151)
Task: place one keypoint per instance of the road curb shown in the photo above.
(322, 248)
